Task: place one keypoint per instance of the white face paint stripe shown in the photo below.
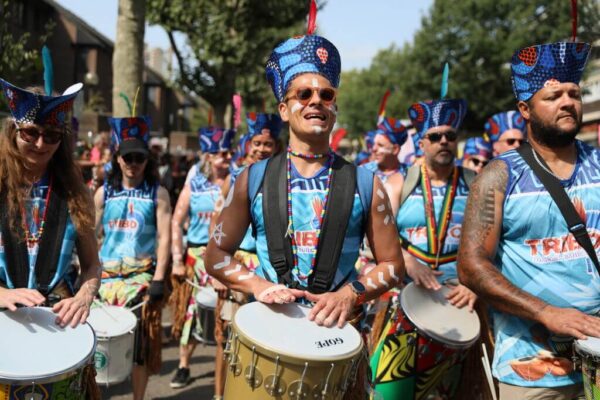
(245, 277)
(237, 268)
(380, 194)
(381, 280)
(226, 261)
(317, 129)
(392, 274)
(315, 82)
(296, 107)
(381, 208)
(371, 284)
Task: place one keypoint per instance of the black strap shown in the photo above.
(333, 231)
(15, 249)
(557, 192)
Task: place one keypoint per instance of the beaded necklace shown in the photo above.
(308, 156)
(290, 230)
(33, 238)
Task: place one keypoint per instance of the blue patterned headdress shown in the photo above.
(370, 140)
(538, 66)
(393, 130)
(214, 140)
(259, 121)
(499, 123)
(130, 134)
(429, 114)
(477, 146)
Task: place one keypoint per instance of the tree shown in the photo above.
(128, 55)
(227, 44)
(477, 38)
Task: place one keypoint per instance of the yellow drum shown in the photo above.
(275, 351)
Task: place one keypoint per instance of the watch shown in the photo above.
(359, 289)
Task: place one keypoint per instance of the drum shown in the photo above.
(275, 351)
(206, 300)
(40, 360)
(114, 327)
(588, 353)
(422, 345)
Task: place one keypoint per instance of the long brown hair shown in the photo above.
(68, 180)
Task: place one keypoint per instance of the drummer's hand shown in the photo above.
(461, 296)
(9, 298)
(178, 270)
(219, 288)
(74, 310)
(423, 275)
(269, 293)
(332, 307)
(569, 322)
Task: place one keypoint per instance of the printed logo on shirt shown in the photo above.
(204, 215)
(132, 225)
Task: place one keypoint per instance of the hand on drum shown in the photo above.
(332, 307)
(422, 275)
(73, 311)
(461, 296)
(269, 293)
(219, 288)
(9, 298)
(570, 322)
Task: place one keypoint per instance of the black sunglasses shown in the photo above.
(477, 161)
(512, 141)
(31, 134)
(304, 94)
(137, 158)
(435, 137)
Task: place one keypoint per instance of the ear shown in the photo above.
(524, 109)
(396, 149)
(421, 145)
(283, 112)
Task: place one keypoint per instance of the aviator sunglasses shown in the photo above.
(476, 162)
(31, 134)
(512, 141)
(437, 137)
(131, 158)
(304, 94)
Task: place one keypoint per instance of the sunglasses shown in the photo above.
(31, 134)
(137, 158)
(304, 94)
(437, 137)
(512, 141)
(476, 162)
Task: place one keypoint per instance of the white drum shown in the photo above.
(38, 356)
(207, 297)
(206, 300)
(115, 328)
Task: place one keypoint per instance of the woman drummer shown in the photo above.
(197, 203)
(45, 209)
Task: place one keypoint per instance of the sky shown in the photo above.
(358, 28)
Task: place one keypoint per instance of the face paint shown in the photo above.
(317, 129)
(229, 197)
(226, 261)
(315, 82)
(381, 280)
(237, 268)
(381, 208)
(218, 234)
(296, 107)
(371, 284)
(384, 151)
(392, 274)
(333, 109)
(386, 220)
(380, 194)
(245, 277)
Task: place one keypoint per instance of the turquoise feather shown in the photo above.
(48, 71)
(444, 91)
(126, 99)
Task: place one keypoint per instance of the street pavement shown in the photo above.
(201, 370)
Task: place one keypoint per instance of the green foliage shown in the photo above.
(227, 44)
(477, 38)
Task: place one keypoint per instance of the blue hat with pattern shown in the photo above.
(34, 108)
(538, 66)
(300, 55)
(393, 130)
(425, 115)
(130, 134)
(214, 140)
(499, 123)
(259, 121)
(477, 146)
(370, 140)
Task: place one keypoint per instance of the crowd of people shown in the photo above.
(258, 220)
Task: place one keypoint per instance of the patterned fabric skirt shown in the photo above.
(192, 324)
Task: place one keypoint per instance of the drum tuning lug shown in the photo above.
(275, 386)
(253, 377)
(298, 390)
(234, 365)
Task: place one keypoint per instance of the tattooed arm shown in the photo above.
(479, 240)
(230, 227)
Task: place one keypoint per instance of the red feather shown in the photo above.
(337, 138)
(210, 116)
(574, 19)
(383, 103)
(312, 18)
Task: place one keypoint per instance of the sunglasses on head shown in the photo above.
(435, 137)
(476, 162)
(137, 158)
(304, 94)
(31, 134)
(512, 141)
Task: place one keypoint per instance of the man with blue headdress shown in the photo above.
(506, 131)
(315, 187)
(520, 251)
(476, 154)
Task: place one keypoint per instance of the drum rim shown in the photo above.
(105, 337)
(56, 376)
(293, 359)
(453, 344)
(583, 352)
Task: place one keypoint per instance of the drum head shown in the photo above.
(34, 348)
(207, 297)
(285, 329)
(591, 346)
(111, 321)
(433, 315)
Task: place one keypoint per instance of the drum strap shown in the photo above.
(574, 222)
(15, 246)
(333, 232)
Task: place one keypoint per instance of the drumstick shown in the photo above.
(138, 306)
(194, 284)
(105, 309)
(488, 372)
